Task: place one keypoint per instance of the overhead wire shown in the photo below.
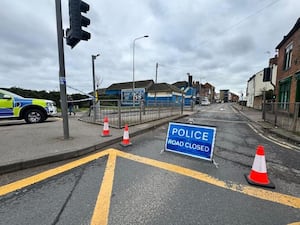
(235, 25)
(249, 16)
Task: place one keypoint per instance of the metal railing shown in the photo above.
(119, 114)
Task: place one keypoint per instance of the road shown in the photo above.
(142, 184)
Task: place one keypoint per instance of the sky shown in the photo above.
(222, 42)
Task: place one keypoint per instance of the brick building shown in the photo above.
(288, 70)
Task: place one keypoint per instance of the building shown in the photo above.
(190, 92)
(288, 71)
(146, 90)
(124, 91)
(233, 97)
(224, 95)
(208, 92)
(163, 93)
(250, 92)
(273, 65)
(256, 86)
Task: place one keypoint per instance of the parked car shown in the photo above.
(32, 110)
(205, 102)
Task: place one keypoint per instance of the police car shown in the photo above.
(33, 110)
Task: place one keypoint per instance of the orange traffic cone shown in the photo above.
(126, 142)
(258, 174)
(105, 132)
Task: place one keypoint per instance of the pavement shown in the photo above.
(255, 117)
(29, 145)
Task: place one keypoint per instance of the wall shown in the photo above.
(250, 91)
(295, 66)
(261, 86)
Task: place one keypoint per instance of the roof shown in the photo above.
(292, 31)
(127, 85)
(181, 84)
(164, 87)
(208, 85)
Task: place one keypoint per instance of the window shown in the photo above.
(288, 56)
(284, 93)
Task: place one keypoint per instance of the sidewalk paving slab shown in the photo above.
(32, 145)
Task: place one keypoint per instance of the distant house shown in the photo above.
(190, 92)
(255, 88)
(288, 70)
(233, 97)
(207, 90)
(164, 93)
(273, 65)
(224, 95)
(124, 91)
(182, 85)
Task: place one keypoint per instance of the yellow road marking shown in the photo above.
(248, 190)
(295, 223)
(49, 173)
(101, 211)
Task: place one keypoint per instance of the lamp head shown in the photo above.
(95, 56)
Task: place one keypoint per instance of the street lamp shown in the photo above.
(94, 86)
(133, 82)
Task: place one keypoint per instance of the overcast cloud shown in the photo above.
(223, 42)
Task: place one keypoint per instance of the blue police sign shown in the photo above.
(193, 140)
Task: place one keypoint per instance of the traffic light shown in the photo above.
(77, 21)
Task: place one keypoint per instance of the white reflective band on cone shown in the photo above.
(259, 164)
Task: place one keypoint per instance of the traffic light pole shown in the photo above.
(62, 76)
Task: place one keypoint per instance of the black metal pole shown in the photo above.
(62, 75)
(155, 83)
(94, 88)
(264, 106)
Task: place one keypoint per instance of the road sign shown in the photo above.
(193, 140)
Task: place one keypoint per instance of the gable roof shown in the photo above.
(208, 85)
(292, 31)
(164, 87)
(127, 85)
(181, 84)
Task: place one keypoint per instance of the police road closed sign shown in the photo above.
(193, 140)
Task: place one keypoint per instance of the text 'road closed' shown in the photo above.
(192, 140)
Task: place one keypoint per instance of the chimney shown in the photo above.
(190, 80)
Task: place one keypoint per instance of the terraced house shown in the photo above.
(288, 72)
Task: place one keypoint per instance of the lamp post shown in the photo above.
(133, 82)
(94, 86)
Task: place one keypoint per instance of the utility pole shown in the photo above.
(156, 73)
(155, 82)
(62, 74)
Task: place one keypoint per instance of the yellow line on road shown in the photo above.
(101, 211)
(49, 173)
(248, 190)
